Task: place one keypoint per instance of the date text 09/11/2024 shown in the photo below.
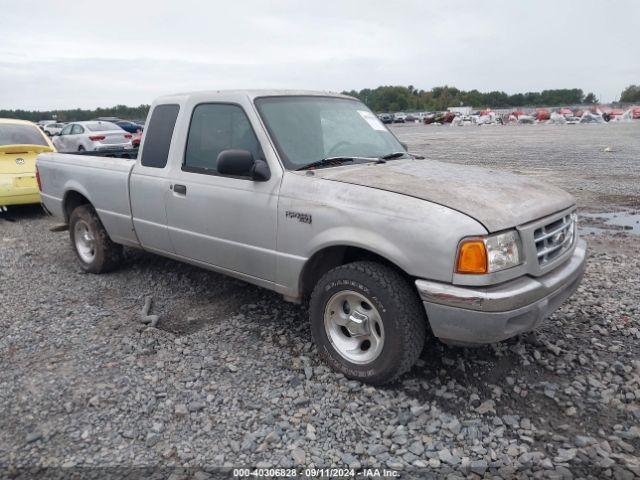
(316, 472)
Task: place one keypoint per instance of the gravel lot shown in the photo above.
(596, 163)
(230, 377)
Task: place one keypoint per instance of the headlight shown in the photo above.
(489, 254)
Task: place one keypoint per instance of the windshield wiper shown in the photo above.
(333, 161)
(391, 156)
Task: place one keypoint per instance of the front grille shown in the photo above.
(555, 238)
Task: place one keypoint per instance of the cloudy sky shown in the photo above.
(64, 54)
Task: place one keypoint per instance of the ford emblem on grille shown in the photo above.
(20, 161)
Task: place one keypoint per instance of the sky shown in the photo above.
(63, 54)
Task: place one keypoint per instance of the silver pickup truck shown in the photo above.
(310, 195)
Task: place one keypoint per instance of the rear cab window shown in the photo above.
(158, 136)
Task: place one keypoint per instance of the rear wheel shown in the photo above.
(367, 321)
(95, 250)
(81, 148)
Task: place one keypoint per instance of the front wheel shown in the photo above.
(367, 321)
(95, 250)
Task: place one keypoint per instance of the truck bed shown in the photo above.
(129, 153)
(103, 181)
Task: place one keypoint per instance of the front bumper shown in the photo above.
(490, 314)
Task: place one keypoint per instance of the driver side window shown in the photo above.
(214, 128)
(77, 129)
(66, 130)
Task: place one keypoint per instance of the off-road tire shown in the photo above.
(402, 313)
(108, 255)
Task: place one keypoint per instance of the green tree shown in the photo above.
(631, 94)
(590, 99)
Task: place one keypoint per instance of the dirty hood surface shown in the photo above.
(498, 200)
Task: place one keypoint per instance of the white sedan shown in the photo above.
(52, 129)
(91, 136)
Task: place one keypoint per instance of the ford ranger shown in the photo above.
(310, 195)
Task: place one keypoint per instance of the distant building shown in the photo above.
(461, 110)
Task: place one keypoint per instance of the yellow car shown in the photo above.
(20, 144)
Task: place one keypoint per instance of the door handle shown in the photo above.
(180, 189)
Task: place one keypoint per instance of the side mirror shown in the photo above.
(240, 163)
(261, 172)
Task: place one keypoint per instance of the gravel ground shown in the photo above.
(230, 377)
(598, 163)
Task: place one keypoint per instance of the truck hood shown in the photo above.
(497, 199)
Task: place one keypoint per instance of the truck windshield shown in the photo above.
(307, 129)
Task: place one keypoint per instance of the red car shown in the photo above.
(602, 109)
(136, 139)
(616, 113)
(542, 114)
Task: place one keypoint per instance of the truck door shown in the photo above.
(149, 182)
(227, 222)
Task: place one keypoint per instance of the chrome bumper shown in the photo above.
(490, 314)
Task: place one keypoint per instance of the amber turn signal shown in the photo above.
(472, 257)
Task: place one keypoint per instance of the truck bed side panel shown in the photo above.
(103, 181)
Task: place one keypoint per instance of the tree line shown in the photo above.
(77, 114)
(380, 99)
(397, 98)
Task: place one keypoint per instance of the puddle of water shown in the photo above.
(623, 221)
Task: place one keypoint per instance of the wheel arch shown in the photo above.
(72, 199)
(333, 256)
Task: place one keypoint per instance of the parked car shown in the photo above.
(399, 117)
(108, 119)
(591, 117)
(429, 118)
(52, 129)
(20, 143)
(128, 126)
(616, 114)
(92, 135)
(43, 123)
(443, 117)
(542, 114)
(526, 119)
(565, 111)
(269, 187)
(386, 118)
(136, 138)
